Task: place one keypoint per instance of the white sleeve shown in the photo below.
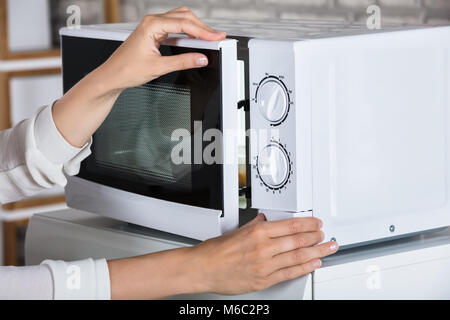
(25, 283)
(86, 279)
(34, 156)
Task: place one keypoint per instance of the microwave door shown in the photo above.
(158, 160)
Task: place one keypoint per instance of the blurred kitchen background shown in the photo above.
(30, 66)
(393, 11)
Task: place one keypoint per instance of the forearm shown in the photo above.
(81, 111)
(158, 275)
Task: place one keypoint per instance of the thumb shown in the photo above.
(168, 64)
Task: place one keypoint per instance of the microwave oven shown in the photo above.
(343, 123)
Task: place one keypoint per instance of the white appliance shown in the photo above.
(346, 124)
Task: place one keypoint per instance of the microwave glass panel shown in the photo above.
(136, 139)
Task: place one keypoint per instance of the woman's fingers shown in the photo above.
(186, 13)
(299, 262)
(191, 17)
(303, 255)
(294, 272)
(179, 9)
(168, 64)
(163, 26)
(295, 241)
(293, 226)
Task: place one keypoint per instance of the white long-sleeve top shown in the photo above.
(34, 156)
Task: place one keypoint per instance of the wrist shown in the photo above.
(193, 277)
(104, 82)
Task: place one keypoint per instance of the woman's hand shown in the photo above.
(83, 109)
(261, 254)
(252, 258)
(138, 59)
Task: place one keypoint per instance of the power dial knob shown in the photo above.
(273, 100)
(273, 165)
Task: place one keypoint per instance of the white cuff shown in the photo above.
(49, 140)
(80, 280)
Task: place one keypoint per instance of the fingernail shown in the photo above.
(320, 224)
(220, 33)
(333, 246)
(202, 61)
(317, 263)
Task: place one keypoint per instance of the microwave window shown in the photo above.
(135, 142)
(132, 150)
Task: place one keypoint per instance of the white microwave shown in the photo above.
(345, 124)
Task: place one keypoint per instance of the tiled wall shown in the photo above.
(392, 11)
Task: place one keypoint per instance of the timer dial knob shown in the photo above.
(273, 100)
(273, 166)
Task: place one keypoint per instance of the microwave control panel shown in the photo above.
(274, 143)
